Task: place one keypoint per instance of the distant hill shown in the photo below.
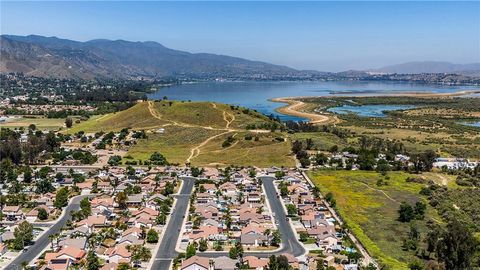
(431, 67)
(54, 57)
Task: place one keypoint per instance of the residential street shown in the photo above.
(43, 241)
(290, 243)
(166, 253)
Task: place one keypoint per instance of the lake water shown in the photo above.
(369, 110)
(472, 124)
(256, 95)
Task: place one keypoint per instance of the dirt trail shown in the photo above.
(294, 108)
(225, 113)
(194, 152)
(381, 191)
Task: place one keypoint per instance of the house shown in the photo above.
(196, 263)
(224, 263)
(105, 187)
(253, 239)
(80, 242)
(134, 201)
(256, 263)
(71, 253)
(85, 187)
(130, 240)
(203, 232)
(57, 264)
(118, 254)
(254, 197)
(326, 241)
(132, 231)
(93, 222)
(12, 213)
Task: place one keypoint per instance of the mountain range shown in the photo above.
(54, 57)
(41, 56)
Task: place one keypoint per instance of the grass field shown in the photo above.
(136, 117)
(151, 115)
(40, 122)
(321, 140)
(175, 143)
(265, 152)
(190, 130)
(370, 211)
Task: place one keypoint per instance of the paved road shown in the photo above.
(166, 252)
(42, 242)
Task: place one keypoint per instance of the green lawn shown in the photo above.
(370, 211)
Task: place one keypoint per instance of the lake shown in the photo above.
(369, 110)
(472, 124)
(256, 95)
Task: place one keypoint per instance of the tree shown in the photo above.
(279, 174)
(140, 253)
(304, 162)
(92, 260)
(68, 122)
(169, 188)
(123, 266)
(152, 236)
(202, 245)
(278, 263)
(330, 199)
(291, 209)
(61, 198)
(456, 246)
(162, 219)
(85, 207)
(42, 214)
(158, 159)
(320, 159)
(190, 251)
(44, 186)
(405, 213)
(416, 265)
(23, 235)
(196, 172)
(419, 209)
(276, 238)
(303, 236)
(27, 175)
(320, 264)
(121, 200)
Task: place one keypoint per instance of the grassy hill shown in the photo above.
(151, 115)
(195, 132)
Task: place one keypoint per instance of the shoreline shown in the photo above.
(294, 105)
(293, 108)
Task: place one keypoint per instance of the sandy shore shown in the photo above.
(294, 108)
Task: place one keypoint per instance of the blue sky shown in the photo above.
(328, 36)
